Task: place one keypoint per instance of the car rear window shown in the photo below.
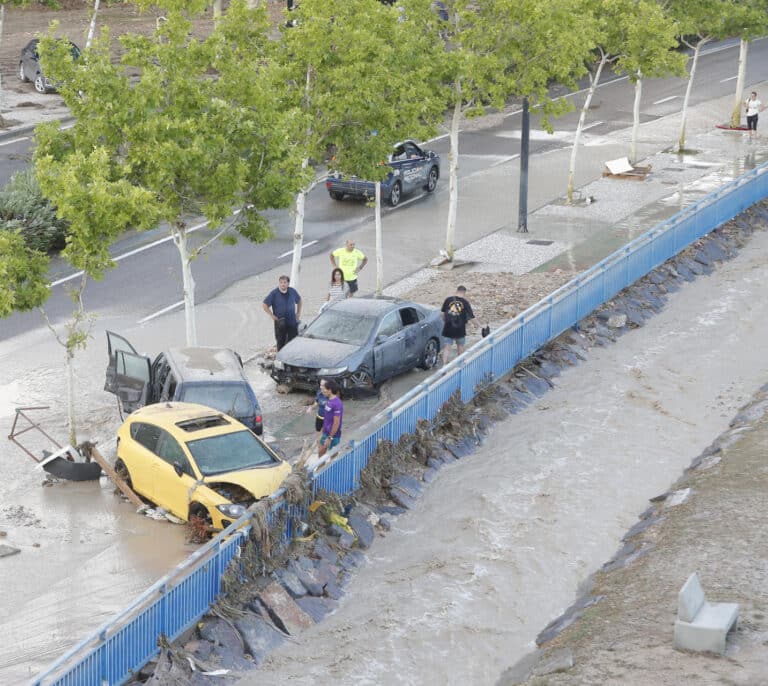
(230, 452)
(232, 399)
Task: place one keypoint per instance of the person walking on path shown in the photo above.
(351, 261)
(457, 312)
(283, 304)
(334, 410)
(753, 107)
(319, 406)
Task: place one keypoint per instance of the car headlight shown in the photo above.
(277, 364)
(231, 510)
(332, 371)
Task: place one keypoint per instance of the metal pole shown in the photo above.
(522, 214)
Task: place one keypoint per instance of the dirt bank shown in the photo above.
(625, 637)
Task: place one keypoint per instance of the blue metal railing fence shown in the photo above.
(178, 600)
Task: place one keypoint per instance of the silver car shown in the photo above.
(361, 342)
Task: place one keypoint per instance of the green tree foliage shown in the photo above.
(357, 81)
(23, 271)
(181, 128)
(698, 21)
(504, 48)
(23, 206)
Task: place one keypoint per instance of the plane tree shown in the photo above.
(193, 126)
(634, 36)
(356, 75)
(648, 51)
(698, 22)
(500, 49)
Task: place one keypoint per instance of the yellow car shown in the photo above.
(196, 462)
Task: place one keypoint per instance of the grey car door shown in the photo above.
(115, 343)
(389, 347)
(413, 336)
(132, 377)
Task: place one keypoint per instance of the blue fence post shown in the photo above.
(104, 662)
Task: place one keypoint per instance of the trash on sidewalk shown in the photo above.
(7, 550)
(622, 168)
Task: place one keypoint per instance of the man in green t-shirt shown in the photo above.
(350, 260)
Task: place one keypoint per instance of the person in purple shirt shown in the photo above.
(334, 409)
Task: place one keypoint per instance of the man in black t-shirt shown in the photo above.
(456, 313)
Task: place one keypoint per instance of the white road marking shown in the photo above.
(730, 78)
(160, 312)
(592, 125)
(14, 140)
(290, 252)
(671, 97)
(130, 253)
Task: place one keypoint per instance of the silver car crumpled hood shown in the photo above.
(315, 352)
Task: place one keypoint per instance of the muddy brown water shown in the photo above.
(500, 543)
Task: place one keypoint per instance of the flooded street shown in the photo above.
(499, 544)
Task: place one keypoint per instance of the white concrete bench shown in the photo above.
(701, 625)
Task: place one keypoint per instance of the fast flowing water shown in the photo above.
(500, 543)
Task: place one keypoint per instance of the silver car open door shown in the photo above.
(115, 343)
(133, 373)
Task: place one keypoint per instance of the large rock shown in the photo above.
(309, 578)
(259, 637)
(408, 484)
(429, 475)
(401, 498)
(317, 608)
(291, 582)
(358, 520)
(460, 448)
(325, 552)
(227, 644)
(283, 610)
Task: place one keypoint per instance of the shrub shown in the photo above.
(22, 205)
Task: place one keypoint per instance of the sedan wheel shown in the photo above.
(361, 379)
(432, 179)
(336, 195)
(22, 75)
(40, 83)
(431, 353)
(394, 195)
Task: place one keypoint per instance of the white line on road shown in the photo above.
(671, 97)
(130, 253)
(592, 125)
(290, 252)
(730, 78)
(14, 140)
(163, 311)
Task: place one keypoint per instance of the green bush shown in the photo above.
(22, 205)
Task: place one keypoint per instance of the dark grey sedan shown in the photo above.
(361, 342)
(30, 70)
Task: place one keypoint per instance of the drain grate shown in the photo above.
(539, 242)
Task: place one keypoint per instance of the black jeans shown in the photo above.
(285, 332)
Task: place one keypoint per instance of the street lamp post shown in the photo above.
(522, 214)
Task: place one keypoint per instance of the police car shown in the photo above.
(412, 168)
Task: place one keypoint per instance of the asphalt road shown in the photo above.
(151, 260)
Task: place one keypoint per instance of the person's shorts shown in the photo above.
(752, 122)
(318, 423)
(352, 286)
(334, 441)
(448, 342)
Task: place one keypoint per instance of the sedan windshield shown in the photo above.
(230, 453)
(232, 398)
(342, 327)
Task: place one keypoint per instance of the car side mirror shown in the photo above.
(381, 338)
(177, 468)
